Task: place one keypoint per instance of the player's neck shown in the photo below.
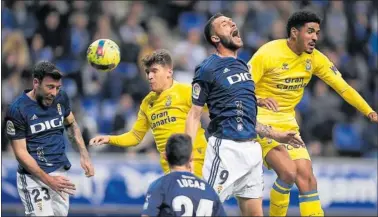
(180, 169)
(166, 87)
(31, 95)
(224, 52)
(291, 44)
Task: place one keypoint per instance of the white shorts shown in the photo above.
(234, 168)
(39, 199)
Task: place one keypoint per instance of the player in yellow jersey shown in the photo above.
(281, 70)
(163, 110)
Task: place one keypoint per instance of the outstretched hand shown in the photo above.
(268, 103)
(289, 137)
(373, 117)
(99, 140)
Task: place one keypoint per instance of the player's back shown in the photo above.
(182, 194)
(229, 88)
(42, 128)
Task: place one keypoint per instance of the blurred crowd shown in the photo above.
(107, 103)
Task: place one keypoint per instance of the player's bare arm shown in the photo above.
(193, 121)
(288, 137)
(76, 139)
(57, 183)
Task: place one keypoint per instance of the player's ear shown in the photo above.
(294, 32)
(215, 39)
(36, 82)
(170, 73)
(191, 163)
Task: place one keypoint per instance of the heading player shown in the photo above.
(281, 70)
(163, 110)
(233, 162)
(35, 123)
(180, 193)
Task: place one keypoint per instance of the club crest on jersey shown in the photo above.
(59, 109)
(10, 128)
(285, 66)
(196, 91)
(219, 189)
(169, 101)
(240, 127)
(334, 69)
(308, 65)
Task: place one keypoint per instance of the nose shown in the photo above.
(315, 37)
(150, 76)
(54, 92)
(233, 24)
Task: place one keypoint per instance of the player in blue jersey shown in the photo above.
(181, 193)
(35, 123)
(233, 160)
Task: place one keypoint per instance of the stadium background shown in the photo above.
(342, 142)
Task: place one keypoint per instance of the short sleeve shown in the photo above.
(66, 104)
(15, 124)
(154, 199)
(201, 86)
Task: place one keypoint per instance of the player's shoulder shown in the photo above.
(208, 64)
(209, 189)
(147, 100)
(272, 47)
(61, 97)
(18, 105)
(318, 54)
(182, 87)
(157, 184)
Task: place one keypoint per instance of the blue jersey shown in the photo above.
(42, 128)
(226, 86)
(182, 194)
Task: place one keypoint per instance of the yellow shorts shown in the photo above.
(269, 144)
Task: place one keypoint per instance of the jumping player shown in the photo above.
(35, 123)
(281, 70)
(233, 161)
(163, 110)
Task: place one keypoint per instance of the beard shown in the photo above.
(39, 98)
(228, 43)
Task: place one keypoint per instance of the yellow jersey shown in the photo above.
(164, 114)
(280, 73)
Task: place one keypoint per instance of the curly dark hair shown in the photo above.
(44, 69)
(299, 19)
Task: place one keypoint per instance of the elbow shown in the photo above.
(195, 115)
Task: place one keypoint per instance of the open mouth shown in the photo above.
(312, 44)
(235, 33)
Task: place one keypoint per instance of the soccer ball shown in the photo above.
(103, 55)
